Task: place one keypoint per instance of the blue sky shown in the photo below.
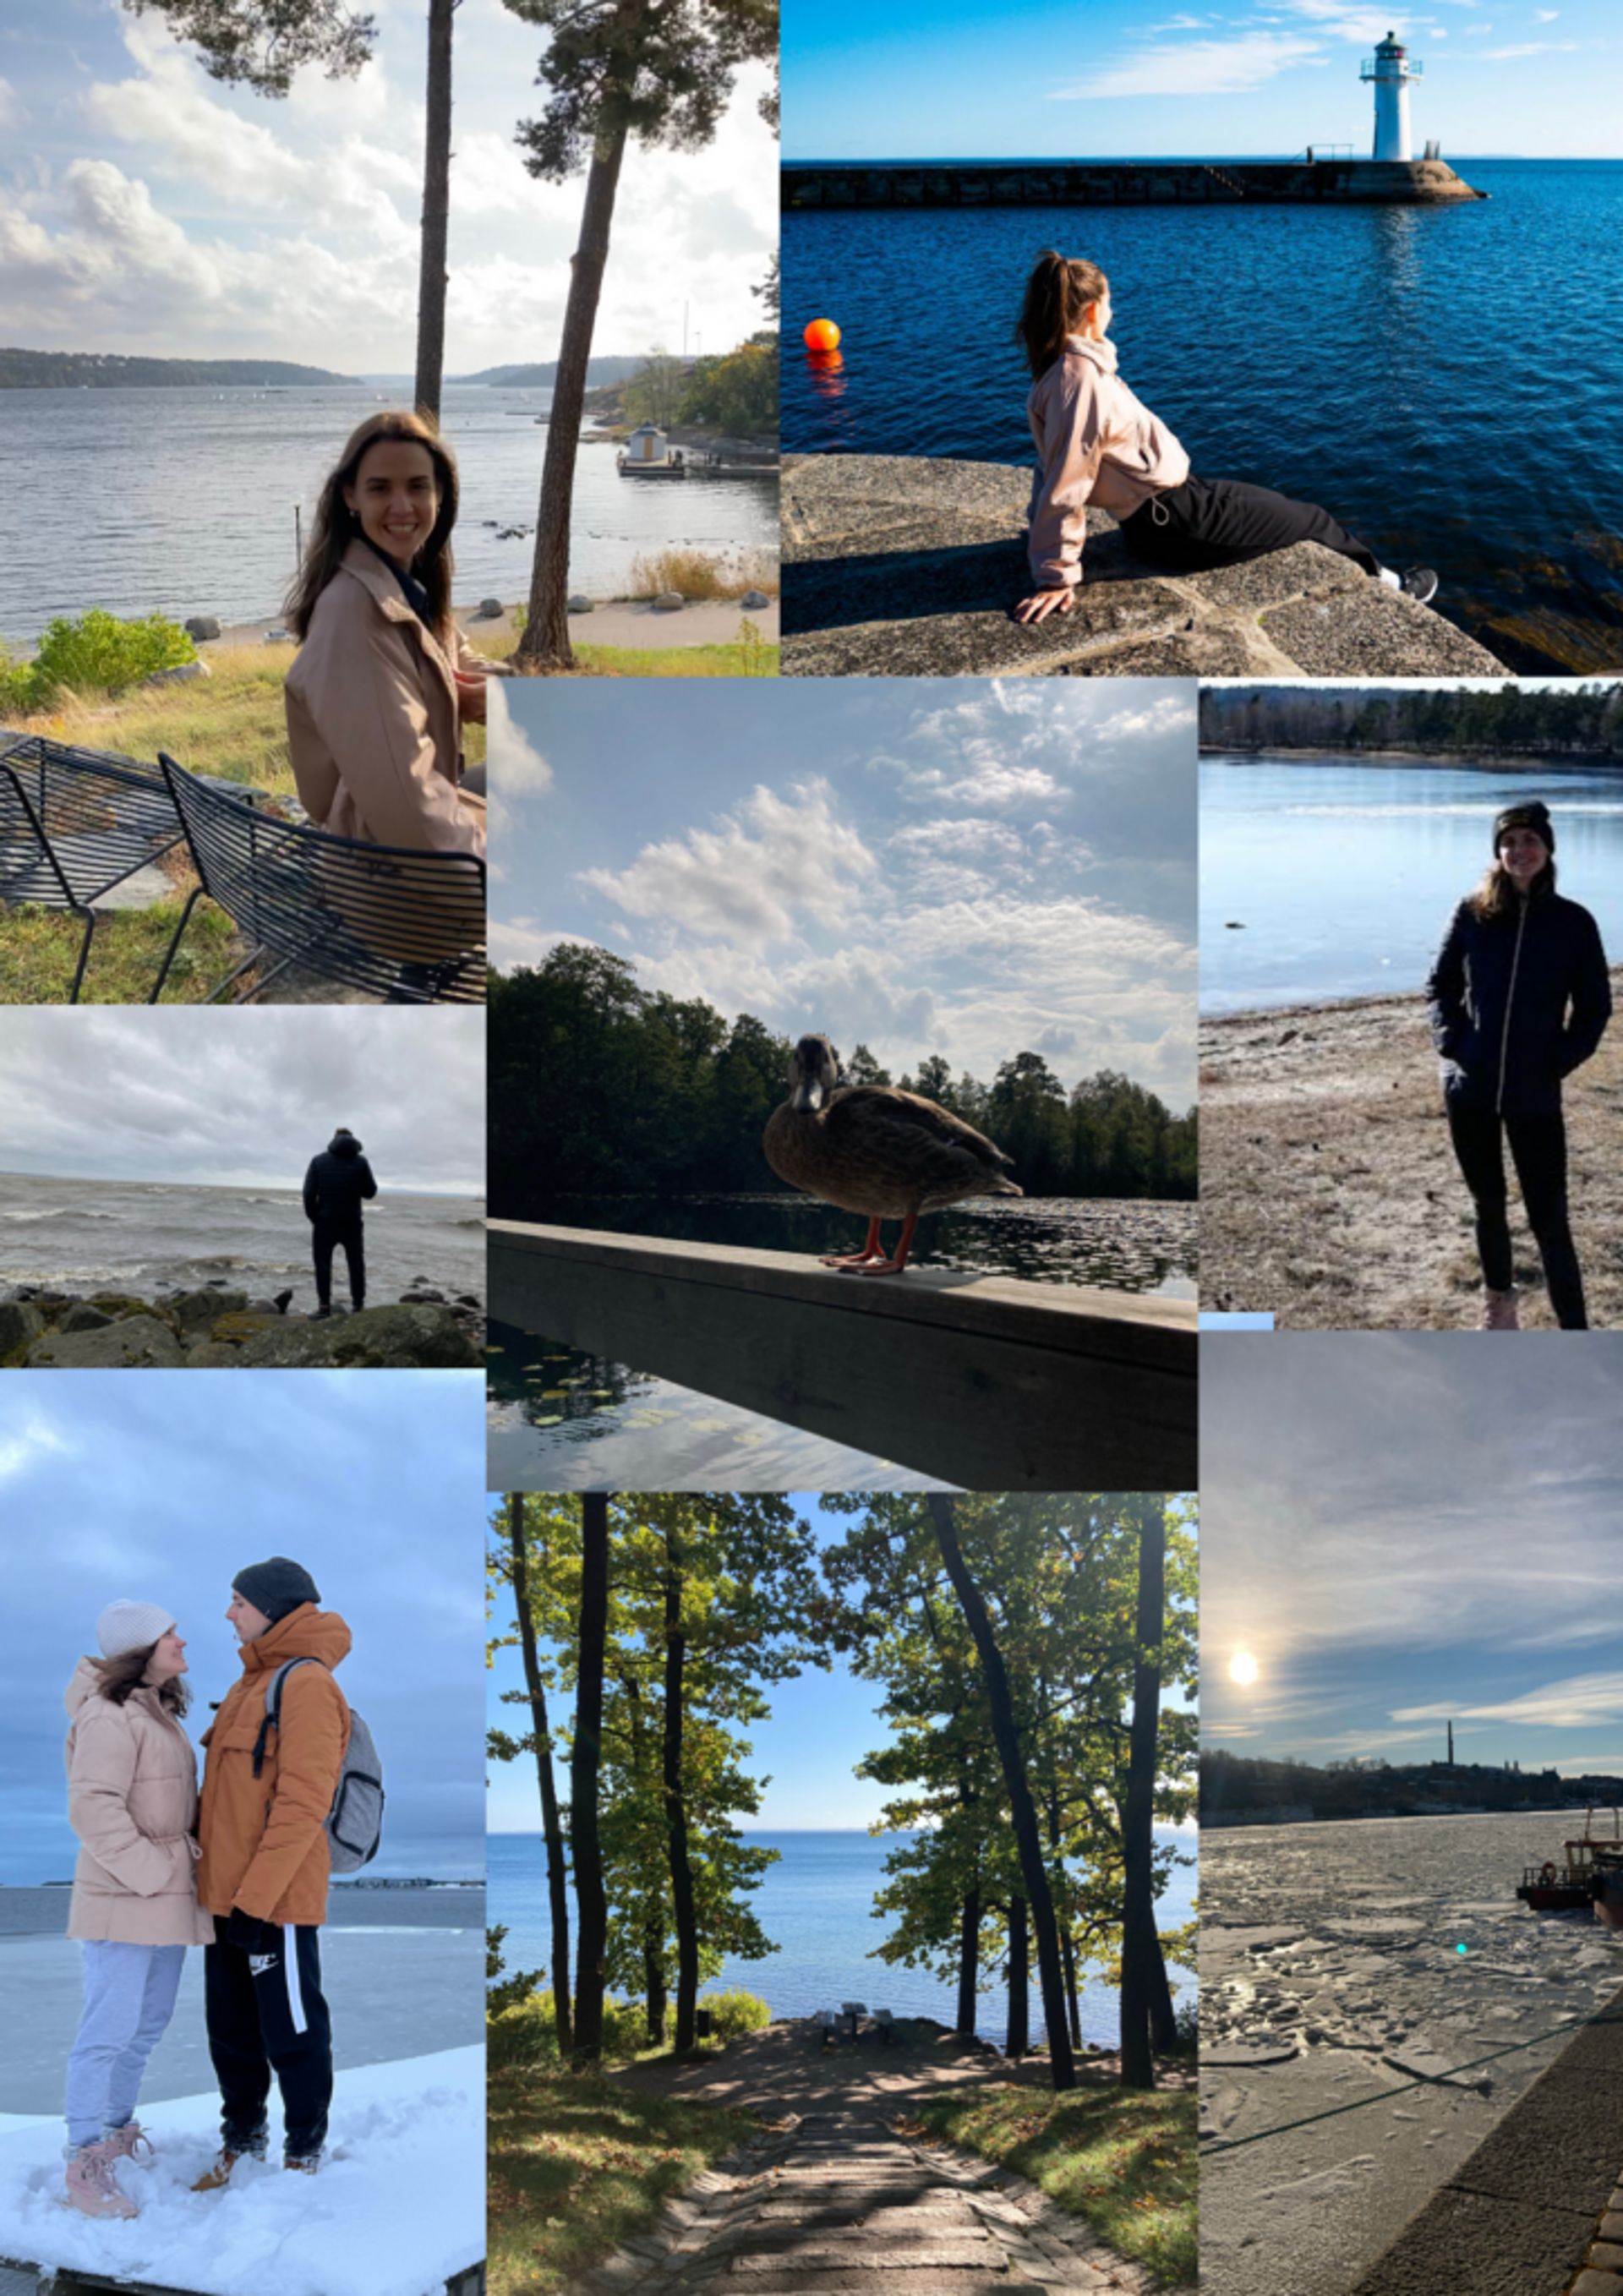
(146, 207)
(1118, 78)
(923, 865)
(223, 1097)
(1402, 1529)
(123, 1483)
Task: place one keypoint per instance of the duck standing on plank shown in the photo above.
(872, 1149)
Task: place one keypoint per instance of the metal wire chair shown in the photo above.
(75, 823)
(407, 925)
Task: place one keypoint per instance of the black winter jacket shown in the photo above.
(1518, 1006)
(336, 1183)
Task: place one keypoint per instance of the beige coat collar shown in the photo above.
(381, 586)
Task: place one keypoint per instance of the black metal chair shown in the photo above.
(75, 823)
(407, 925)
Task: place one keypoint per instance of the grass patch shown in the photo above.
(701, 574)
(1124, 2158)
(576, 2165)
(40, 947)
(229, 724)
(733, 660)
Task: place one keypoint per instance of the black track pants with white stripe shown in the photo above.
(266, 2014)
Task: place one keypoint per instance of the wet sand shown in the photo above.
(1330, 1971)
(1329, 1191)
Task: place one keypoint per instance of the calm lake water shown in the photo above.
(144, 1235)
(1396, 393)
(181, 502)
(563, 1420)
(1332, 1947)
(1341, 875)
(816, 1906)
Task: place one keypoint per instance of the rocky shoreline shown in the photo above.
(215, 1328)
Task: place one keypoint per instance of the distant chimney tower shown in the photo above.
(1451, 1745)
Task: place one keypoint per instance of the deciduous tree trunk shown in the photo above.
(969, 1961)
(557, 1888)
(1068, 1956)
(586, 1761)
(675, 1805)
(433, 274)
(1140, 1946)
(545, 641)
(1019, 2038)
(1034, 1873)
(653, 1982)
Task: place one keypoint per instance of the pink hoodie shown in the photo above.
(1095, 443)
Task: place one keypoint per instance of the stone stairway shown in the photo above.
(838, 2205)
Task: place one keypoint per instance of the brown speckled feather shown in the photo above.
(885, 1153)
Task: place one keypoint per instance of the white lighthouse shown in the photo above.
(1391, 68)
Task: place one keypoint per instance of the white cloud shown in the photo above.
(1528, 48)
(11, 106)
(1231, 66)
(35, 1440)
(1572, 1704)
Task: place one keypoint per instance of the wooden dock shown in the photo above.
(987, 1382)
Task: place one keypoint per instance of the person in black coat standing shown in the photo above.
(1520, 997)
(338, 1183)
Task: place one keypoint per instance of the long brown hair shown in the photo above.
(1059, 291)
(1497, 899)
(116, 1678)
(336, 525)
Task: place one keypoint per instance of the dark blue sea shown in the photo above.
(1448, 381)
(816, 1905)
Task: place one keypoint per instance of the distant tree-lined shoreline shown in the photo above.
(21, 370)
(1512, 720)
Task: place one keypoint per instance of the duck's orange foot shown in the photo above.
(851, 1260)
(883, 1268)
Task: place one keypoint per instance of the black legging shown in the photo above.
(326, 1238)
(1538, 1150)
(1208, 522)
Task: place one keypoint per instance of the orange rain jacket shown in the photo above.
(263, 1840)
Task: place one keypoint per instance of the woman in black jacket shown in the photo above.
(1520, 997)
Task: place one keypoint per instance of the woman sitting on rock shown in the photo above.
(132, 1800)
(383, 681)
(1096, 443)
(1520, 997)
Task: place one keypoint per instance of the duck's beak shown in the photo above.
(806, 1095)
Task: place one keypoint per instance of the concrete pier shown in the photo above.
(982, 1380)
(1122, 183)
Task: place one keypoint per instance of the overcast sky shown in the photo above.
(111, 1485)
(975, 869)
(146, 207)
(1402, 1529)
(245, 1094)
(1014, 78)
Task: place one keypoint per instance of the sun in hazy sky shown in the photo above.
(1243, 1668)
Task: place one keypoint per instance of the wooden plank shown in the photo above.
(982, 1380)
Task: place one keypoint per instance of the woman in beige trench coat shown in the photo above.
(132, 1800)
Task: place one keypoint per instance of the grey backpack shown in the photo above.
(355, 1823)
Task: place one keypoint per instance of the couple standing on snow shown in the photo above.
(243, 1872)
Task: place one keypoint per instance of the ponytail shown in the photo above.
(1059, 291)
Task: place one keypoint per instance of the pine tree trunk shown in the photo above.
(1139, 1943)
(676, 1804)
(586, 1761)
(969, 1962)
(433, 271)
(1023, 1810)
(1019, 2040)
(557, 1889)
(545, 641)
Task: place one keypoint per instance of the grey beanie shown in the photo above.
(276, 1588)
(125, 1626)
(1533, 814)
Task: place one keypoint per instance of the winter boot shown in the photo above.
(127, 2143)
(92, 2188)
(1499, 1311)
(225, 2159)
(306, 2163)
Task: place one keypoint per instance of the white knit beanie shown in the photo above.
(125, 1626)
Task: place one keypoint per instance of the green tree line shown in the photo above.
(1570, 720)
(600, 1086)
(1022, 1645)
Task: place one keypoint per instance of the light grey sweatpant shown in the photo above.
(129, 1999)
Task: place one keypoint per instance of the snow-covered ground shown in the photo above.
(397, 2207)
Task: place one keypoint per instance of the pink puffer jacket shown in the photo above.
(132, 1800)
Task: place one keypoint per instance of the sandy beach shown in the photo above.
(628, 622)
(1337, 1963)
(1329, 1191)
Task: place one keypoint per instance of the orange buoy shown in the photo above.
(821, 335)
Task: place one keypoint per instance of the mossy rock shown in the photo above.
(83, 1317)
(239, 1324)
(131, 1343)
(377, 1339)
(119, 1304)
(195, 1312)
(20, 1324)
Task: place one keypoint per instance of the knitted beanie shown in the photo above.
(276, 1588)
(1534, 815)
(124, 1627)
